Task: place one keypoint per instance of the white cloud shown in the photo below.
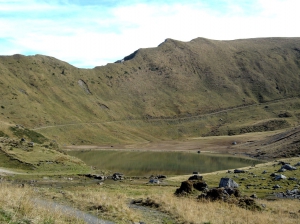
(89, 36)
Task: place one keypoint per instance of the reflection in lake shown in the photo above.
(169, 163)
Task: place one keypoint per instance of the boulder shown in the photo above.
(288, 167)
(227, 182)
(281, 170)
(279, 177)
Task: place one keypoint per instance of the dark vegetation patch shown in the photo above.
(10, 162)
(26, 133)
(2, 134)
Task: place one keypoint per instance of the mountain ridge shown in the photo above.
(174, 80)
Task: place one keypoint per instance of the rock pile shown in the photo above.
(291, 194)
(227, 192)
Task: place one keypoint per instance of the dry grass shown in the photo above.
(193, 211)
(112, 202)
(17, 206)
(102, 202)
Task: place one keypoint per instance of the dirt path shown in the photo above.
(6, 171)
(169, 119)
(88, 218)
(151, 215)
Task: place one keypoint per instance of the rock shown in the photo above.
(273, 174)
(276, 186)
(200, 185)
(239, 171)
(161, 176)
(227, 182)
(292, 194)
(264, 172)
(154, 181)
(292, 178)
(281, 170)
(294, 191)
(196, 177)
(185, 188)
(288, 167)
(279, 177)
(118, 176)
(297, 164)
(99, 177)
(253, 196)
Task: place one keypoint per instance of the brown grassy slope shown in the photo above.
(176, 79)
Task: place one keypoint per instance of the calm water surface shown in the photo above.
(169, 163)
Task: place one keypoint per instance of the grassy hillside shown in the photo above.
(176, 90)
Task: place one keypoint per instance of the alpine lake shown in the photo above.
(145, 163)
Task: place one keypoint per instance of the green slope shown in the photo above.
(158, 93)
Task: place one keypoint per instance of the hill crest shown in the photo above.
(175, 80)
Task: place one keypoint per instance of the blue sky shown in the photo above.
(89, 33)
